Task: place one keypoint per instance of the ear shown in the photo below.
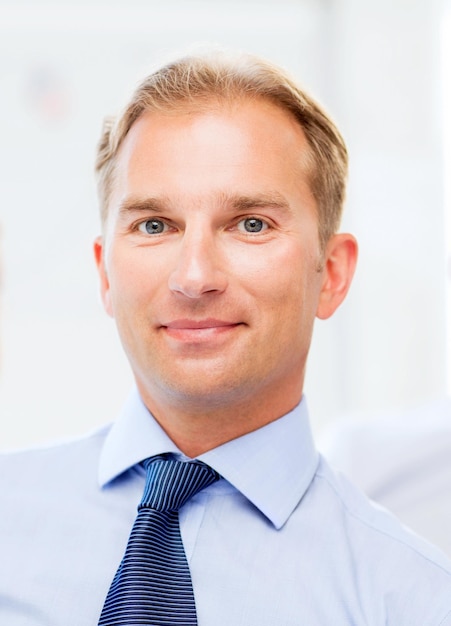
(99, 255)
(339, 264)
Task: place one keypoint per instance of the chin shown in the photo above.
(207, 391)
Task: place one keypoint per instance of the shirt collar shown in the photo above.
(133, 437)
(272, 466)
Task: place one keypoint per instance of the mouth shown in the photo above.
(194, 331)
(187, 324)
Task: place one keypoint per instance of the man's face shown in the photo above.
(210, 257)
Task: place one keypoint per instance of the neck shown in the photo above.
(196, 428)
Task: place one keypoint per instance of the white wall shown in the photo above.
(376, 68)
(387, 97)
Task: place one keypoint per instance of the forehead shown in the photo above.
(247, 143)
(259, 116)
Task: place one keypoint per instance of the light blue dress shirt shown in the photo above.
(281, 540)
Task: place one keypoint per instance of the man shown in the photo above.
(221, 188)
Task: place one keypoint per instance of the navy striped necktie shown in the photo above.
(153, 583)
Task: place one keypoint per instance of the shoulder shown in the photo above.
(383, 448)
(380, 530)
(402, 461)
(45, 465)
(384, 558)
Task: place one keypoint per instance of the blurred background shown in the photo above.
(381, 68)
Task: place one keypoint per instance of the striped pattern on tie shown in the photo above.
(153, 583)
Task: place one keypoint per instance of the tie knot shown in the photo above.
(171, 483)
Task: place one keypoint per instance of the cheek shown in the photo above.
(123, 282)
(293, 295)
(135, 282)
(280, 274)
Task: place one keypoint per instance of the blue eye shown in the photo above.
(252, 225)
(152, 227)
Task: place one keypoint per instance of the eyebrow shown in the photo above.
(155, 205)
(245, 203)
(234, 202)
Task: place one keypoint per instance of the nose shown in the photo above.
(198, 269)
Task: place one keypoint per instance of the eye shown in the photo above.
(252, 225)
(152, 227)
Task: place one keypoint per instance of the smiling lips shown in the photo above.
(197, 330)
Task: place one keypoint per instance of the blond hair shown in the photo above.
(197, 82)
